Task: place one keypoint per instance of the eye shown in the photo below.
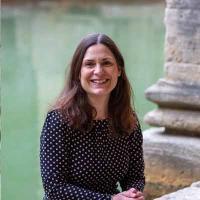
(107, 63)
(89, 64)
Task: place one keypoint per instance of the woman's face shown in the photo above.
(99, 71)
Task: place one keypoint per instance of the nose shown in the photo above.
(98, 69)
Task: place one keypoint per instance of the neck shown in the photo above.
(101, 106)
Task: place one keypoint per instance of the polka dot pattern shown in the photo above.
(87, 166)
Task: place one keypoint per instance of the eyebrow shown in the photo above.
(108, 58)
(88, 60)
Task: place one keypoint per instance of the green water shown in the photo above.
(38, 43)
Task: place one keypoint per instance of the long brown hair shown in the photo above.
(73, 102)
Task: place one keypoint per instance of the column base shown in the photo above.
(171, 162)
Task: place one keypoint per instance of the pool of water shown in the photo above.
(38, 42)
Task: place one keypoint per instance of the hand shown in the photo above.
(131, 194)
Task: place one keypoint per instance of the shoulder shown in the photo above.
(54, 132)
(55, 120)
(55, 128)
(54, 116)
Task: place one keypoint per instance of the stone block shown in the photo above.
(183, 4)
(175, 94)
(184, 72)
(180, 121)
(180, 49)
(171, 162)
(182, 41)
(182, 18)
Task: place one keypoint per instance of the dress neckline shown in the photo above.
(97, 121)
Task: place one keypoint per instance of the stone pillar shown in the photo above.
(172, 152)
(178, 93)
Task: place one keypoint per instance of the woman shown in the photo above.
(91, 139)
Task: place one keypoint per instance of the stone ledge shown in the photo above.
(174, 94)
(189, 193)
(158, 140)
(180, 121)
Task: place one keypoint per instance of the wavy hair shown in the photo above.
(73, 103)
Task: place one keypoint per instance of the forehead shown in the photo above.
(98, 51)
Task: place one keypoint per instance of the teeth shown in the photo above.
(99, 81)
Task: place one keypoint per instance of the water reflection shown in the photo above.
(38, 44)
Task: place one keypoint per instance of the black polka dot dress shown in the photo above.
(88, 166)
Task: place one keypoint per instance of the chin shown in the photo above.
(100, 93)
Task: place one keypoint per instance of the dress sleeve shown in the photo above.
(54, 142)
(135, 177)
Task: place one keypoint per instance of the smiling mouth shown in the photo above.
(103, 81)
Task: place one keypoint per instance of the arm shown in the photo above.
(135, 176)
(54, 149)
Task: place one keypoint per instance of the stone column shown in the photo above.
(172, 152)
(178, 93)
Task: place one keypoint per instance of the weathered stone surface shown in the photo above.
(185, 17)
(175, 94)
(183, 4)
(181, 121)
(178, 49)
(178, 94)
(185, 72)
(182, 41)
(196, 184)
(171, 162)
(189, 193)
